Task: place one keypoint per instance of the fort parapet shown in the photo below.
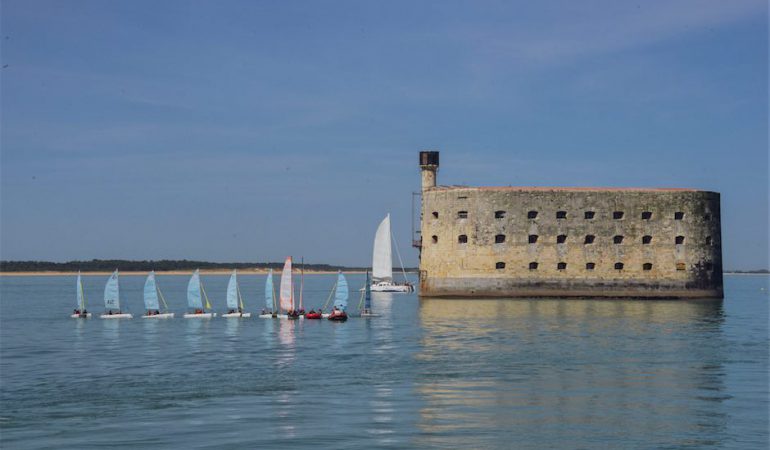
(567, 242)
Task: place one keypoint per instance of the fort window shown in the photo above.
(532, 215)
(590, 266)
(462, 197)
(499, 265)
(618, 266)
(435, 214)
(708, 240)
(561, 214)
(617, 239)
(679, 240)
(681, 266)
(462, 214)
(646, 239)
(617, 215)
(562, 238)
(499, 214)
(533, 266)
(462, 239)
(499, 239)
(707, 217)
(647, 266)
(434, 238)
(646, 215)
(561, 266)
(679, 215)
(589, 239)
(589, 215)
(532, 238)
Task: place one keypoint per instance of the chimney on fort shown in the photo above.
(428, 168)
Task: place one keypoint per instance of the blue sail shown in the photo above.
(232, 292)
(151, 293)
(341, 294)
(79, 296)
(368, 293)
(194, 291)
(112, 292)
(269, 301)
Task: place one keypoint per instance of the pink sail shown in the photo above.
(287, 287)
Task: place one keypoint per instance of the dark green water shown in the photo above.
(426, 374)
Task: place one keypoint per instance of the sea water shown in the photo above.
(425, 374)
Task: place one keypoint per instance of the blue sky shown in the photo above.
(252, 130)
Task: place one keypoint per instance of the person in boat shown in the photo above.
(76, 312)
(109, 313)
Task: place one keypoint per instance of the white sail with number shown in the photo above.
(287, 287)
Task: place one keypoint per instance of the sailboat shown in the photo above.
(382, 262)
(80, 312)
(270, 310)
(234, 299)
(112, 299)
(287, 292)
(340, 300)
(194, 299)
(366, 299)
(151, 294)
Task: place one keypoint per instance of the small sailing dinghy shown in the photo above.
(366, 299)
(382, 262)
(340, 300)
(80, 312)
(234, 299)
(287, 292)
(270, 310)
(195, 300)
(112, 299)
(151, 295)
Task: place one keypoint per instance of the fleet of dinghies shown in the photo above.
(283, 306)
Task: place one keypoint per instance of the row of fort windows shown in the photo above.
(591, 266)
(588, 215)
(562, 239)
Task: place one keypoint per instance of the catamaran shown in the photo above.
(287, 292)
(112, 299)
(270, 310)
(382, 262)
(366, 299)
(80, 312)
(151, 295)
(340, 300)
(234, 299)
(194, 299)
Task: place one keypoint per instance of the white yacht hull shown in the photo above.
(200, 316)
(265, 316)
(159, 316)
(237, 315)
(78, 316)
(369, 315)
(386, 287)
(117, 316)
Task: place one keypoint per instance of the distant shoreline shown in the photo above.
(131, 273)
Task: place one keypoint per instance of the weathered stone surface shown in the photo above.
(691, 269)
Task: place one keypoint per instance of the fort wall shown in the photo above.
(570, 242)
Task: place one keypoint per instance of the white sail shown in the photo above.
(112, 293)
(287, 287)
(81, 300)
(382, 263)
(232, 292)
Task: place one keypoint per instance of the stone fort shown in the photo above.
(567, 242)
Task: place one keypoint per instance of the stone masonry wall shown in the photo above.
(680, 258)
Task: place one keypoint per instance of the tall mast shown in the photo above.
(301, 280)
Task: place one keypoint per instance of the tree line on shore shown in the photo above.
(108, 265)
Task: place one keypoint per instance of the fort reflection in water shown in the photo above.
(584, 370)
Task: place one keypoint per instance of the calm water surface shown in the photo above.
(426, 374)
